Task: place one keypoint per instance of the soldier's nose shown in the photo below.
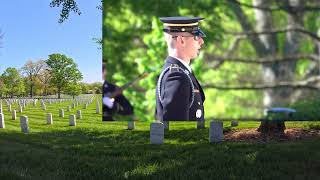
(201, 41)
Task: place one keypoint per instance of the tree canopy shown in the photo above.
(67, 7)
(13, 83)
(73, 89)
(63, 71)
(32, 70)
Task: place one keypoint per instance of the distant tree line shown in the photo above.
(54, 76)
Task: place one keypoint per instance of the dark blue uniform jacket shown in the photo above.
(176, 94)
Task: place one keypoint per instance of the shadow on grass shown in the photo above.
(121, 154)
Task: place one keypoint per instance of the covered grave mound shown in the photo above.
(252, 135)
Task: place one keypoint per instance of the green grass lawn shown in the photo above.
(106, 150)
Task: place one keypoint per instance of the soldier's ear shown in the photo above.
(181, 40)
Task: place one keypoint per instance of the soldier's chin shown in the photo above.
(196, 55)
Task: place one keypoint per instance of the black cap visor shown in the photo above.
(196, 32)
(199, 33)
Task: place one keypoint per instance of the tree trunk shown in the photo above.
(45, 92)
(267, 45)
(31, 90)
(285, 71)
(264, 23)
(280, 71)
(59, 91)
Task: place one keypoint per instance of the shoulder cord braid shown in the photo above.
(164, 72)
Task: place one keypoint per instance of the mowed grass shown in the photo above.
(106, 150)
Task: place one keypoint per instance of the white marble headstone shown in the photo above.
(216, 131)
(49, 118)
(131, 125)
(61, 113)
(98, 109)
(72, 121)
(14, 115)
(156, 132)
(79, 115)
(44, 107)
(234, 123)
(2, 125)
(24, 124)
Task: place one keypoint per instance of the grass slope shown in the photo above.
(106, 150)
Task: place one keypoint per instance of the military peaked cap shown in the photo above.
(182, 24)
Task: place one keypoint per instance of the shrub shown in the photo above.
(307, 109)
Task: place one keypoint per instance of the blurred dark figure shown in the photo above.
(114, 102)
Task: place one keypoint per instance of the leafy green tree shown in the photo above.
(38, 86)
(96, 87)
(257, 53)
(2, 87)
(84, 87)
(73, 89)
(63, 71)
(67, 6)
(31, 70)
(14, 84)
(44, 78)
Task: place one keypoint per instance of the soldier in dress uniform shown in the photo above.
(179, 96)
(114, 102)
